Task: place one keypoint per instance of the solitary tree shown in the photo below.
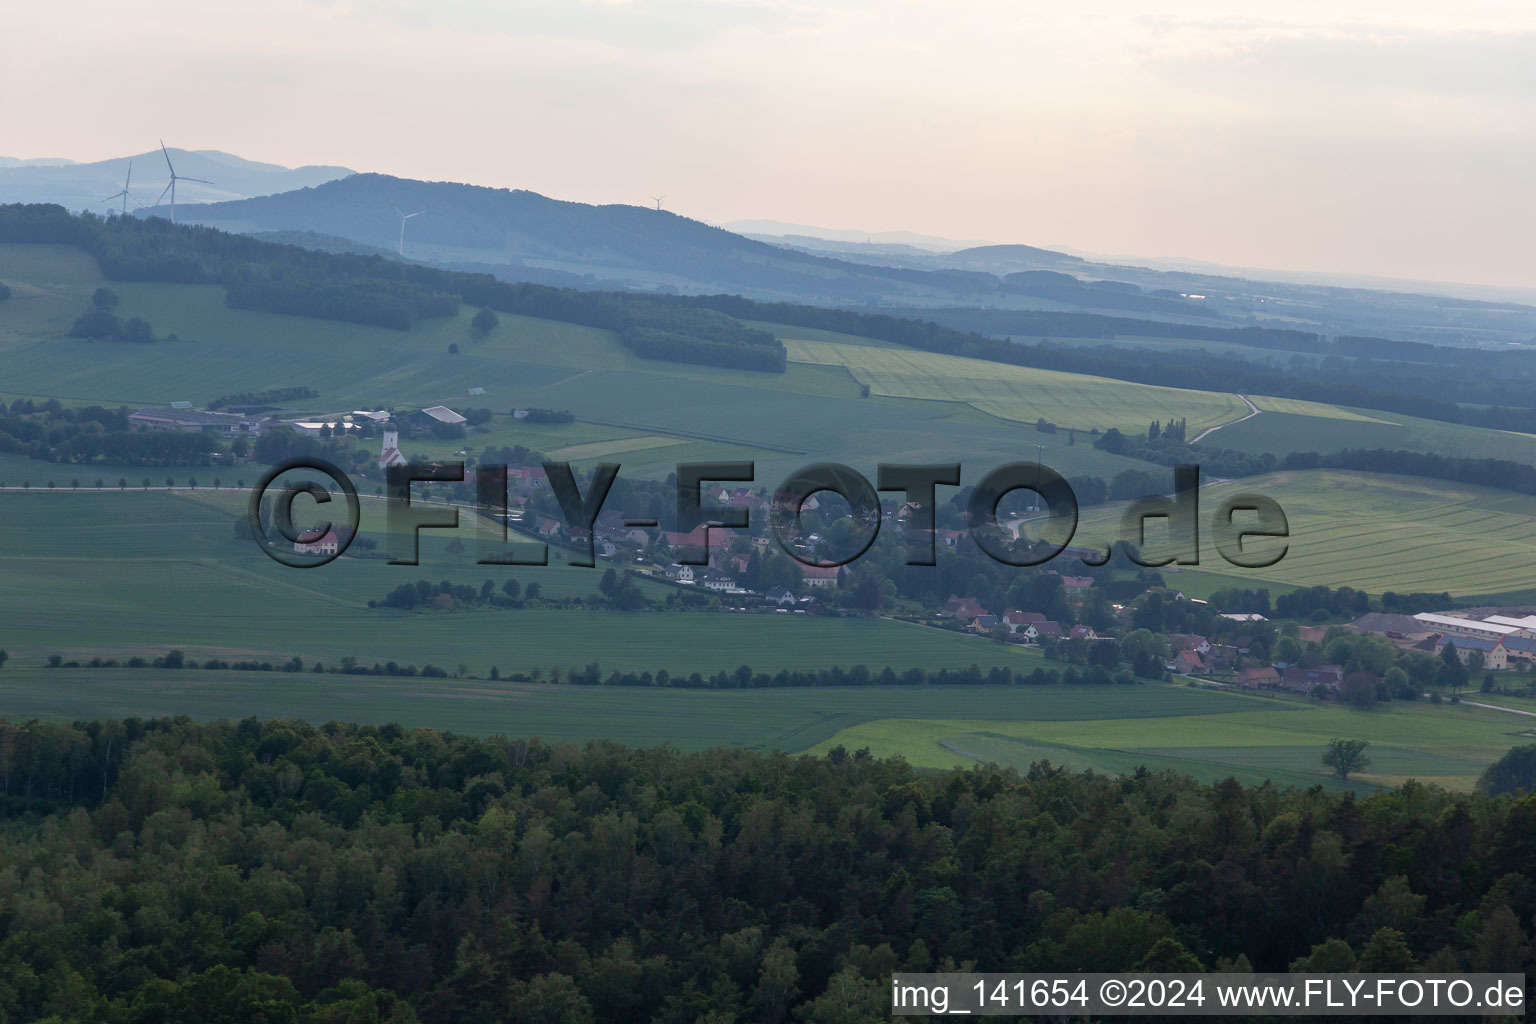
(122, 483)
(1346, 756)
(100, 483)
(170, 482)
(485, 322)
(146, 483)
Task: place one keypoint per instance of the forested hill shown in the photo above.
(612, 243)
(166, 870)
(522, 235)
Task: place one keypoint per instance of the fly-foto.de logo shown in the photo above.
(1250, 530)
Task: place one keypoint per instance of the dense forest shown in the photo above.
(273, 871)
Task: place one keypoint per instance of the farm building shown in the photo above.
(436, 414)
(1494, 655)
(1465, 626)
(1257, 678)
(191, 420)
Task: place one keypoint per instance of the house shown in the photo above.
(983, 624)
(1081, 632)
(1189, 642)
(820, 576)
(963, 608)
(709, 579)
(779, 596)
(1258, 678)
(547, 527)
(680, 573)
(1037, 631)
(1077, 583)
(1304, 680)
(695, 538)
(1243, 616)
(949, 538)
(529, 476)
(1189, 664)
(1016, 620)
(605, 548)
(317, 545)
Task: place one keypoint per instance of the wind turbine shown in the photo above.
(403, 218)
(171, 188)
(124, 195)
(657, 200)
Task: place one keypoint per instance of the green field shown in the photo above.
(1020, 393)
(123, 574)
(116, 575)
(1249, 738)
(1374, 532)
(1288, 425)
(781, 421)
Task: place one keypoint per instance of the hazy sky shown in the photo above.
(1393, 137)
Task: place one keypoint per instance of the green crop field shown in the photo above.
(1374, 532)
(1249, 738)
(123, 574)
(1020, 393)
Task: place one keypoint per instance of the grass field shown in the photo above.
(1249, 738)
(1375, 532)
(1020, 393)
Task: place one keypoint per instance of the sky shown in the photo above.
(1390, 138)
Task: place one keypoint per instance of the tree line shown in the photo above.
(243, 871)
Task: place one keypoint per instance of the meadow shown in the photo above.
(1249, 738)
(1372, 531)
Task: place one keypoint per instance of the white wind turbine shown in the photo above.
(124, 195)
(403, 218)
(171, 188)
(657, 200)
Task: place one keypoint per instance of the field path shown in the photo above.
(1253, 411)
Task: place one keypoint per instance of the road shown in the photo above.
(1253, 411)
(1495, 707)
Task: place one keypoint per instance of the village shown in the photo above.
(744, 572)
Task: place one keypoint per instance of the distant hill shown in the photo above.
(77, 186)
(516, 230)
